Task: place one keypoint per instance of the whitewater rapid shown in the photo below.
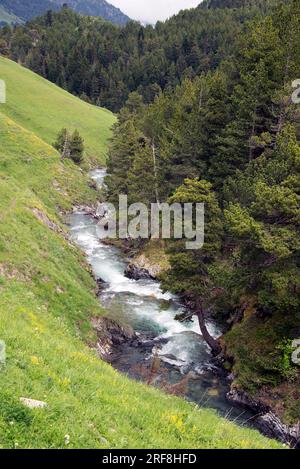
(143, 305)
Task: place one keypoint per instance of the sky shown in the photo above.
(150, 11)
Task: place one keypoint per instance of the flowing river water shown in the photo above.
(151, 313)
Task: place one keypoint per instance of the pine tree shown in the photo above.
(191, 273)
(123, 147)
(142, 177)
(261, 74)
(264, 221)
(62, 143)
(76, 147)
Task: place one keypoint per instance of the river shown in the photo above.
(151, 313)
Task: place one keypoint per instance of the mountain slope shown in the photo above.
(47, 300)
(6, 17)
(92, 57)
(97, 8)
(236, 3)
(45, 109)
(27, 9)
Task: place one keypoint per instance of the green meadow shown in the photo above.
(44, 108)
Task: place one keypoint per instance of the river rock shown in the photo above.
(141, 268)
(241, 398)
(111, 335)
(101, 211)
(135, 273)
(271, 425)
(173, 361)
(101, 285)
(266, 421)
(87, 210)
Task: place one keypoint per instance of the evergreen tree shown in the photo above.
(261, 68)
(192, 272)
(107, 63)
(125, 144)
(265, 224)
(76, 147)
(62, 143)
(142, 182)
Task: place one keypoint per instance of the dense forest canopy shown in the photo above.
(229, 137)
(103, 63)
(262, 4)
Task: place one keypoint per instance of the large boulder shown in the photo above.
(266, 421)
(141, 268)
(111, 336)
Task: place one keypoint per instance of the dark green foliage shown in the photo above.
(13, 411)
(229, 138)
(190, 273)
(61, 141)
(76, 147)
(237, 3)
(100, 8)
(114, 62)
(265, 226)
(70, 145)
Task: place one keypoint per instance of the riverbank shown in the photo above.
(141, 338)
(182, 358)
(136, 360)
(47, 305)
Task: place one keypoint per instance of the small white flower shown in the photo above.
(67, 439)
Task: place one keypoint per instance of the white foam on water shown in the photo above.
(124, 285)
(107, 266)
(144, 303)
(147, 293)
(98, 175)
(145, 296)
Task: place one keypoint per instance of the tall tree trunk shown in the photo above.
(209, 339)
(66, 148)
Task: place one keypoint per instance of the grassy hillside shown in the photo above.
(45, 109)
(47, 298)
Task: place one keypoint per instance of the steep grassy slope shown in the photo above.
(47, 297)
(45, 109)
